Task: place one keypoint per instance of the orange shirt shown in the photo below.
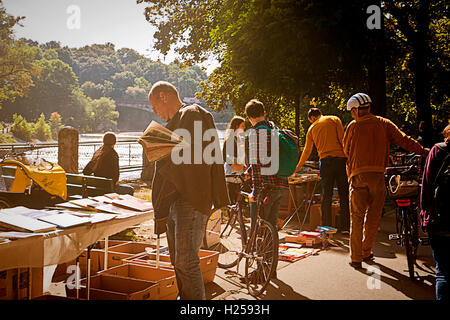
(367, 140)
(326, 134)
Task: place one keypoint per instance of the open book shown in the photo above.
(158, 141)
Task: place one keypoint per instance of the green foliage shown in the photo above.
(102, 115)
(92, 90)
(4, 138)
(16, 61)
(22, 129)
(75, 110)
(302, 49)
(42, 130)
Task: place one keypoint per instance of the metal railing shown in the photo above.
(129, 151)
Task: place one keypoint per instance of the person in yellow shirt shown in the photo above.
(326, 133)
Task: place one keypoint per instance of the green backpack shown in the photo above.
(289, 151)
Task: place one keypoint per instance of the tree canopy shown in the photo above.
(291, 51)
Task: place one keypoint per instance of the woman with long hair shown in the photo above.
(233, 155)
(105, 163)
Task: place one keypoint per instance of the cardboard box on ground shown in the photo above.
(14, 288)
(315, 218)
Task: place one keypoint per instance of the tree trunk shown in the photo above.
(376, 69)
(422, 81)
(297, 116)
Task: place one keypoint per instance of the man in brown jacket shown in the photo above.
(183, 194)
(366, 145)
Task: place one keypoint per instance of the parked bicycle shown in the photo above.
(257, 243)
(403, 187)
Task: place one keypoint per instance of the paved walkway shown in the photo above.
(327, 275)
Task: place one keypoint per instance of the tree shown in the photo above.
(299, 49)
(21, 128)
(51, 91)
(285, 49)
(419, 59)
(55, 123)
(42, 130)
(92, 90)
(74, 111)
(102, 114)
(16, 61)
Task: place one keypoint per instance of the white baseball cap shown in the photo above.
(358, 100)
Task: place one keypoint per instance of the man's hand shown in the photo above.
(251, 197)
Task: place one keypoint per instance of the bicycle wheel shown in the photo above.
(410, 248)
(230, 240)
(261, 259)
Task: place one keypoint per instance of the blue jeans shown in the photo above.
(441, 255)
(270, 209)
(185, 232)
(331, 170)
(269, 213)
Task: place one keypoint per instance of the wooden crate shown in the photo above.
(109, 287)
(14, 288)
(61, 269)
(315, 218)
(208, 262)
(165, 279)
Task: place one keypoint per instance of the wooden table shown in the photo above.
(62, 245)
(309, 182)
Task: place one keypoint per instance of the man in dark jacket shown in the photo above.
(184, 194)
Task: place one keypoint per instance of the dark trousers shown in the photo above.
(334, 170)
(440, 245)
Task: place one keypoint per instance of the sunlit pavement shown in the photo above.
(327, 275)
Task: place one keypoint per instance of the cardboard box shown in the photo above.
(13, 287)
(208, 262)
(109, 287)
(307, 241)
(165, 279)
(315, 218)
(61, 270)
(117, 253)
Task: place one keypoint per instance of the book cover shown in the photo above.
(133, 203)
(65, 220)
(25, 224)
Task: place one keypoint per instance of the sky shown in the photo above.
(77, 23)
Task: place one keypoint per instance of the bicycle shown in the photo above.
(257, 244)
(403, 186)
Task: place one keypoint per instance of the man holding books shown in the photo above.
(183, 194)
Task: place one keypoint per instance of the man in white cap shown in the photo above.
(366, 145)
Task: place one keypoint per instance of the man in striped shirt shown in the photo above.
(261, 158)
(261, 161)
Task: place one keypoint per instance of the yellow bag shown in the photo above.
(49, 176)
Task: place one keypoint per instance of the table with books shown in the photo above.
(308, 181)
(32, 239)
